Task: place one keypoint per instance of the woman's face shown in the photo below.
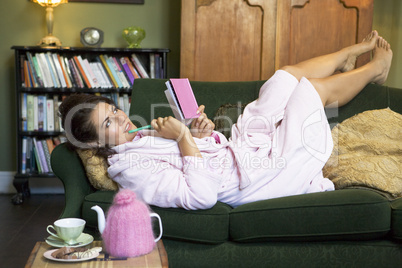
(112, 125)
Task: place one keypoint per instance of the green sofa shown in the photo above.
(342, 228)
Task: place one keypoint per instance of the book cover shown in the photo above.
(185, 97)
(50, 145)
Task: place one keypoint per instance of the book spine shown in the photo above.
(127, 70)
(132, 68)
(24, 116)
(91, 74)
(24, 155)
(42, 126)
(55, 112)
(41, 155)
(59, 71)
(30, 112)
(113, 68)
(139, 66)
(120, 73)
(38, 71)
(64, 70)
(47, 154)
(81, 71)
(35, 113)
(105, 65)
(52, 69)
(49, 114)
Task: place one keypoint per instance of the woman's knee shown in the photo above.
(293, 70)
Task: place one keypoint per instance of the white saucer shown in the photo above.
(48, 255)
(84, 238)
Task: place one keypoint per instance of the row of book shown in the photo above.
(36, 154)
(47, 69)
(40, 112)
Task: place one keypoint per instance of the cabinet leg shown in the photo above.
(22, 187)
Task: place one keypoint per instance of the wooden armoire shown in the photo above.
(243, 40)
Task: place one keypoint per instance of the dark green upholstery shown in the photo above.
(343, 228)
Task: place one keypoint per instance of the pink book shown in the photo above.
(183, 94)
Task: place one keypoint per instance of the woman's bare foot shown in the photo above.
(382, 57)
(368, 44)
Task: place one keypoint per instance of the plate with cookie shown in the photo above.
(69, 254)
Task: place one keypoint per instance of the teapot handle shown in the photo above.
(160, 225)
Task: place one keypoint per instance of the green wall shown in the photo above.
(23, 23)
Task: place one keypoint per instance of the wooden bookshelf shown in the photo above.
(44, 75)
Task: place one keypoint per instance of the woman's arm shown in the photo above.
(171, 128)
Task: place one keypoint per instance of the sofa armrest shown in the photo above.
(67, 166)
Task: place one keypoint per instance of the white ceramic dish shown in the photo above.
(48, 255)
(84, 239)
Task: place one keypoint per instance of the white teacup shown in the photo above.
(68, 229)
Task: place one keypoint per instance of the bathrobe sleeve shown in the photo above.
(190, 185)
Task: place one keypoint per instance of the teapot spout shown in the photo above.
(101, 218)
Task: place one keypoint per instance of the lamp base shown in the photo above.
(50, 40)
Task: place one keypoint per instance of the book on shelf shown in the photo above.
(139, 66)
(41, 161)
(48, 69)
(181, 98)
(36, 154)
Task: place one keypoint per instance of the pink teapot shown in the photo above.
(127, 231)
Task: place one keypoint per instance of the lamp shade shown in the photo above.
(49, 3)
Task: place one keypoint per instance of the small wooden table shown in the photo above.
(157, 258)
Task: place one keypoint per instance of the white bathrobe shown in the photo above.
(278, 147)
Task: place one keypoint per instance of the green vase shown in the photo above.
(133, 36)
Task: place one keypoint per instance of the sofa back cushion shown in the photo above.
(148, 100)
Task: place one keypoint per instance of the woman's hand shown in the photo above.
(202, 126)
(169, 128)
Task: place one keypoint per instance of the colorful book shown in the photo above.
(139, 66)
(181, 99)
(50, 114)
(127, 70)
(47, 154)
(30, 112)
(102, 59)
(24, 155)
(41, 154)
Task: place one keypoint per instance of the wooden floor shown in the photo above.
(21, 226)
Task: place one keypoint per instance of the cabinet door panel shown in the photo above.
(312, 28)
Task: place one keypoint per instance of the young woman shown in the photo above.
(278, 146)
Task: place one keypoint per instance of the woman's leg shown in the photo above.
(324, 66)
(339, 89)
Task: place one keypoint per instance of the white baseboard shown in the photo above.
(36, 185)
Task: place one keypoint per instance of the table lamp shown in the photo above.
(49, 39)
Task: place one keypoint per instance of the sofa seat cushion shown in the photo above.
(396, 219)
(203, 226)
(206, 226)
(337, 215)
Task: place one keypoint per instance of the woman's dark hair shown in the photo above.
(75, 112)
